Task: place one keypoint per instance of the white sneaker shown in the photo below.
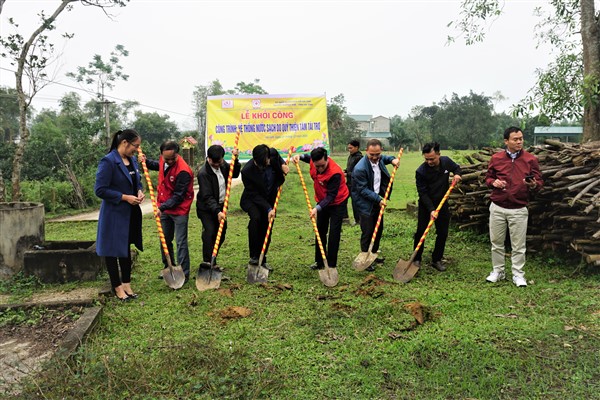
(519, 281)
(495, 276)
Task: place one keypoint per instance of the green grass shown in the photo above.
(354, 341)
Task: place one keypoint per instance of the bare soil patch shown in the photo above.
(30, 340)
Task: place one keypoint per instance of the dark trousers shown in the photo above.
(367, 226)
(330, 218)
(210, 227)
(257, 230)
(176, 226)
(112, 266)
(442, 223)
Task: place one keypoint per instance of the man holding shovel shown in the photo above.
(432, 184)
(174, 200)
(369, 182)
(212, 184)
(331, 194)
(261, 176)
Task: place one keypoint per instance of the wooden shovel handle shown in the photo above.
(161, 234)
(227, 193)
(312, 219)
(385, 198)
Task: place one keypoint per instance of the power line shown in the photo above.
(91, 93)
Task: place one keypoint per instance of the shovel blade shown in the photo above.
(405, 271)
(329, 276)
(257, 274)
(208, 277)
(174, 277)
(364, 260)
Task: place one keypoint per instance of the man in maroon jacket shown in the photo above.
(174, 200)
(513, 175)
(331, 194)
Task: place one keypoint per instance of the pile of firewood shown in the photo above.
(564, 215)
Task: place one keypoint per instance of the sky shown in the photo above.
(385, 57)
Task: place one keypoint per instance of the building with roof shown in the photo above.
(373, 128)
(563, 133)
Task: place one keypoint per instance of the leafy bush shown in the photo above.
(55, 195)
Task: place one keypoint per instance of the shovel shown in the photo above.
(209, 274)
(258, 273)
(173, 276)
(328, 276)
(365, 259)
(406, 270)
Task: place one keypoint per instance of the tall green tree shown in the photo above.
(570, 86)
(102, 75)
(401, 136)
(154, 129)
(342, 128)
(464, 122)
(31, 57)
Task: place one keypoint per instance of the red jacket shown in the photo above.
(321, 180)
(166, 186)
(513, 171)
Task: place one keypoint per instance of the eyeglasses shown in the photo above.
(137, 146)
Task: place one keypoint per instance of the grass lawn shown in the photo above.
(358, 340)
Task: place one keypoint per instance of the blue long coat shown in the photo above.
(112, 181)
(363, 192)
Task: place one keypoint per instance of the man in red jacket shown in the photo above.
(174, 200)
(331, 194)
(514, 175)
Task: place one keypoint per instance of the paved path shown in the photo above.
(146, 208)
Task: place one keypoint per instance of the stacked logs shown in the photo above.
(564, 215)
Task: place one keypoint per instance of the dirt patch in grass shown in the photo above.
(370, 287)
(28, 338)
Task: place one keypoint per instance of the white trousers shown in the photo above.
(516, 221)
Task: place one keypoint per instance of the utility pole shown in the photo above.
(105, 104)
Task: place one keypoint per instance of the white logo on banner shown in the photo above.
(226, 103)
(256, 103)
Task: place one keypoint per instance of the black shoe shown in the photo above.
(380, 260)
(370, 268)
(160, 276)
(439, 265)
(253, 261)
(417, 263)
(205, 265)
(132, 295)
(315, 266)
(267, 266)
(123, 299)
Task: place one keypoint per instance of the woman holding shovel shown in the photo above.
(119, 186)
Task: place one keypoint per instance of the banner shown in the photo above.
(279, 121)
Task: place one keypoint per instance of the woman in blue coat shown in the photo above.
(119, 186)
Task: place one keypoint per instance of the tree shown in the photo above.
(401, 137)
(154, 129)
(464, 121)
(103, 75)
(570, 87)
(249, 88)
(9, 114)
(341, 127)
(31, 57)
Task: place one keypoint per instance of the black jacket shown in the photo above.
(432, 182)
(255, 188)
(353, 159)
(207, 199)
